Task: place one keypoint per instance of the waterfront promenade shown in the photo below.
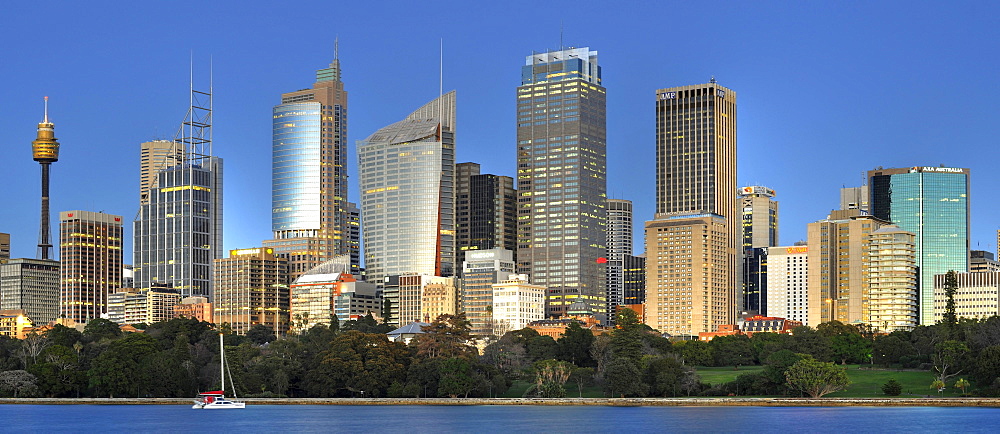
(621, 402)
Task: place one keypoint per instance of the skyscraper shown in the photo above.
(310, 216)
(154, 156)
(760, 217)
(619, 245)
(178, 232)
(407, 173)
(932, 203)
(31, 285)
(45, 150)
(696, 169)
(90, 245)
(891, 280)
(561, 177)
(480, 270)
(788, 288)
(492, 213)
(463, 196)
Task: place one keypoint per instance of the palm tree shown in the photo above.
(962, 384)
(939, 385)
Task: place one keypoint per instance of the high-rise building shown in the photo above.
(492, 213)
(562, 177)
(178, 231)
(90, 246)
(45, 150)
(760, 217)
(4, 248)
(755, 281)
(310, 215)
(891, 280)
(31, 285)
(635, 280)
(855, 198)
(696, 169)
(463, 197)
(251, 288)
(688, 273)
(354, 236)
(407, 173)
(788, 286)
(619, 245)
(982, 261)
(933, 203)
(480, 270)
(155, 156)
(516, 303)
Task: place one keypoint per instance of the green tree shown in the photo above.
(456, 377)
(950, 318)
(775, 366)
(260, 334)
(446, 337)
(890, 349)
(574, 345)
(100, 328)
(850, 348)
(57, 372)
(939, 385)
(962, 384)
(620, 379)
(765, 344)
(892, 387)
(665, 375)
(582, 377)
(697, 353)
(811, 342)
(357, 362)
(836, 328)
(732, 350)
(816, 378)
(18, 383)
(550, 379)
(122, 368)
(987, 366)
(62, 335)
(949, 359)
(541, 348)
(627, 338)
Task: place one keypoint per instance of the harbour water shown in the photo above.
(508, 419)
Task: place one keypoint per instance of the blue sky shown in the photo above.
(826, 90)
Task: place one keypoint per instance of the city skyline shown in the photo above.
(781, 148)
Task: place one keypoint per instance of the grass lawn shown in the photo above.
(865, 383)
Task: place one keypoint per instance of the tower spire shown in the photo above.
(45, 150)
(46, 120)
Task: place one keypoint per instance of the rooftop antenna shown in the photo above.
(46, 120)
(336, 48)
(441, 69)
(712, 80)
(560, 35)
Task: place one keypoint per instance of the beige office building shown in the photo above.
(154, 156)
(90, 245)
(788, 283)
(4, 248)
(759, 217)
(977, 295)
(440, 296)
(689, 282)
(251, 288)
(516, 303)
(696, 173)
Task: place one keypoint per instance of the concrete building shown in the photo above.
(31, 285)
(14, 323)
(310, 215)
(440, 296)
(891, 279)
(516, 303)
(154, 156)
(90, 246)
(619, 245)
(143, 306)
(760, 217)
(788, 284)
(4, 248)
(688, 279)
(492, 213)
(562, 177)
(328, 292)
(932, 203)
(195, 307)
(696, 173)
(251, 288)
(480, 270)
(982, 261)
(407, 173)
(977, 295)
(855, 198)
(463, 198)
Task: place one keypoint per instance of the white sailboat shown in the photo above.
(217, 399)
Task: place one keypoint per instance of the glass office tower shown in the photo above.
(562, 177)
(407, 173)
(933, 203)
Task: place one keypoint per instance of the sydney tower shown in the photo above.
(45, 150)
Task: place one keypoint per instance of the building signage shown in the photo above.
(721, 93)
(668, 95)
(796, 249)
(941, 169)
(480, 255)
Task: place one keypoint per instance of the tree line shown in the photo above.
(180, 357)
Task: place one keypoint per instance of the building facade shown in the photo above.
(562, 177)
(480, 270)
(407, 173)
(635, 280)
(891, 280)
(492, 213)
(619, 245)
(688, 274)
(982, 261)
(4, 248)
(855, 198)
(310, 215)
(198, 308)
(755, 281)
(179, 229)
(328, 293)
(31, 285)
(696, 170)
(154, 156)
(440, 296)
(788, 292)
(90, 246)
(933, 203)
(251, 288)
(977, 295)
(759, 217)
(516, 303)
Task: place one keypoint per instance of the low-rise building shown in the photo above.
(194, 307)
(14, 323)
(516, 303)
(977, 295)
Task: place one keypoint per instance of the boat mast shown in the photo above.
(222, 363)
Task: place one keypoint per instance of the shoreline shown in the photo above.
(614, 402)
